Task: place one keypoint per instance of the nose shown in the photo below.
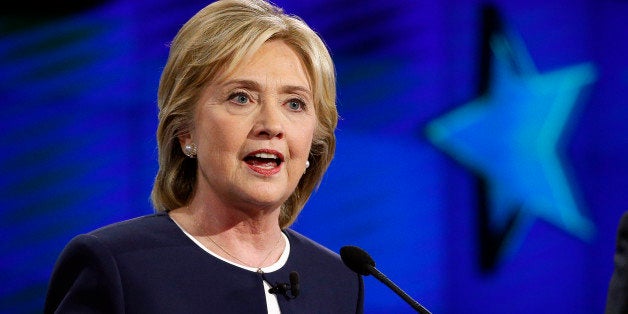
(268, 123)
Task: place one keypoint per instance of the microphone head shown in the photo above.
(357, 259)
(294, 284)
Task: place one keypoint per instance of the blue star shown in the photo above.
(511, 136)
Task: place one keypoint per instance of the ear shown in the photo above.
(185, 139)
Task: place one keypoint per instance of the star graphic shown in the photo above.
(511, 137)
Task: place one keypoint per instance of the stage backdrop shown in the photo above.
(482, 151)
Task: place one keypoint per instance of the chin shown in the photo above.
(266, 200)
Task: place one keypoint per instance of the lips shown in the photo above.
(264, 161)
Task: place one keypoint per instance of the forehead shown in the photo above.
(273, 60)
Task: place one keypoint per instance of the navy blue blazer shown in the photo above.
(148, 265)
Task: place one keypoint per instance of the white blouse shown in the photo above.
(271, 299)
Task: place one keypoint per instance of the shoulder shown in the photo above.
(305, 245)
(134, 226)
(128, 235)
(617, 295)
(623, 223)
(622, 235)
(90, 263)
(87, 274)
(306, 252)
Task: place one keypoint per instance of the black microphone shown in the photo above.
(361, 262)
(294, 284)
(288, 290)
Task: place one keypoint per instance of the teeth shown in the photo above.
(266, 155)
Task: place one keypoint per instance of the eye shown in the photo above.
(239, 98)
(296, 105)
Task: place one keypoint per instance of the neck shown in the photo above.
(231, 221)
(252, 241)
(217, 215)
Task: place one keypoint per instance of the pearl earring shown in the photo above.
(307, 165)
(190, 150)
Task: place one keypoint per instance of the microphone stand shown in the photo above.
(381, 277)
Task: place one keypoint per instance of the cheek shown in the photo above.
(223, 131)
(306, 135)
(220, 144)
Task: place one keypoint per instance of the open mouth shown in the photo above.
(264, 160)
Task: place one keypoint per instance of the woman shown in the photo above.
(246, 131)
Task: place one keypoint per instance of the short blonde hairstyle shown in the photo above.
(213, 42)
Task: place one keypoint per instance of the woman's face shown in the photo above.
(254, 130)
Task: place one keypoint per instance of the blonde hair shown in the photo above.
(212, 43)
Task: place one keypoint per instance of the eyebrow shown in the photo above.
(256, 86)
(245, 83)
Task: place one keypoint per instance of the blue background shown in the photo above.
(78, 108)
